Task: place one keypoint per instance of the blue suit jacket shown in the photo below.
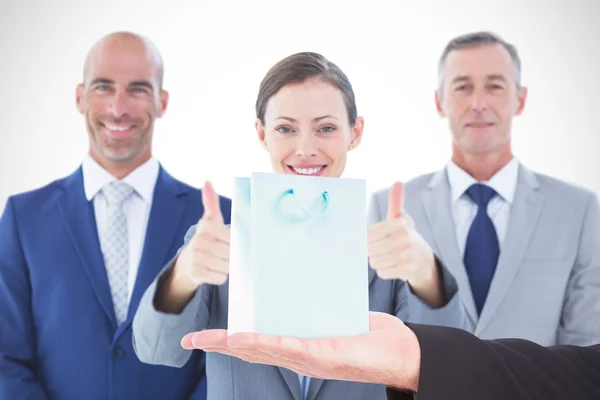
(58, 335)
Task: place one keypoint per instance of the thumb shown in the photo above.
(395, 201)
(210, 201)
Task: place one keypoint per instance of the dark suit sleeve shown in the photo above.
(457, 365)
(17, 336)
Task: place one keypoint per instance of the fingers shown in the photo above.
(201, 266)
(401, 259)
(282, 348)
(207, 244)
(395, 201)
(205, 258)
(211, 204)
(389, 245)
(386, 229)
(326, 358)
(392, 242)
(209, 233)
(394, 266)
(394, 272)
(209, 251)
(250, 347)
(211, 337)
(390, 249)
(257, 357)
(221, 233)
(202, 274)
(212, 263)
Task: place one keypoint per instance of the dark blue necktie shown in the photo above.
(482, 249)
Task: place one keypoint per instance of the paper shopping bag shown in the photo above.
(298, 262)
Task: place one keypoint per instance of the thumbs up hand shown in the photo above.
(397, 251)
(205, 258)
(396, 202)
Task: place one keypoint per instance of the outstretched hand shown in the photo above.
(388, 354)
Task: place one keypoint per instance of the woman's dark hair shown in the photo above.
(301, 67)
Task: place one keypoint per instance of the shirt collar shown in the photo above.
(142, 179)
(504, 182)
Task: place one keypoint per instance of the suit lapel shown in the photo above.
(80, 220)
(293, 382)
(168, 207)
(524, 215)
(437, 205)
(313, 388)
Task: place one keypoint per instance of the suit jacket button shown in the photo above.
(118, 353)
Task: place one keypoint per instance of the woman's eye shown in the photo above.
(327, 129)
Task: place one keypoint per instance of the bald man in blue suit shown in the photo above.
(77, 255)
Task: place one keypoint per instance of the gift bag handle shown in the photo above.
(326, 207)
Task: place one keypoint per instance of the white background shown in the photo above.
(215, 57)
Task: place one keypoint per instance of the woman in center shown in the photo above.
(307, 121)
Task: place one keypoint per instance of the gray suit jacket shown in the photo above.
(157, 338)
(547, 283)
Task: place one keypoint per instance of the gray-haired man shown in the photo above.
(524, 247)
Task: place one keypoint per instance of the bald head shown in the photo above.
(124, 48)
(121, 96)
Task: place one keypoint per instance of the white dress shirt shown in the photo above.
(504, 182)
(136, 208)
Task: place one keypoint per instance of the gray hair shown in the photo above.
(476, 39)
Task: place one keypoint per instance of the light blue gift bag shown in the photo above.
(298, 263)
